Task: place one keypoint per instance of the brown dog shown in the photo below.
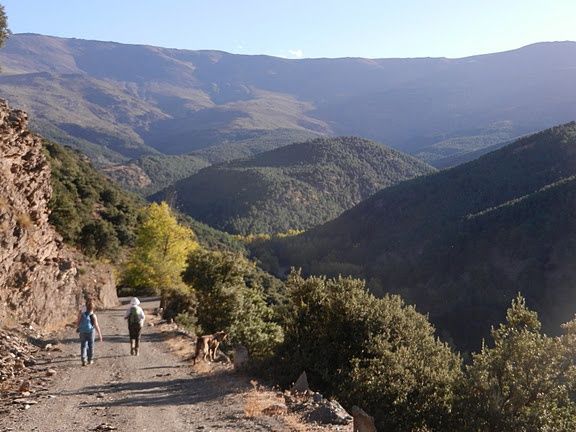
(208, 345)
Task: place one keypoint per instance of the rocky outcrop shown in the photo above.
(41, 279)
(363, 422)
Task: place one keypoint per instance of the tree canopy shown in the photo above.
(231, 296)
(159, 256)
(377, 353)
(4, 30)
(524, 382)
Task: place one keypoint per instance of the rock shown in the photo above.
(241, 357)
(16, 354)
(50, 372)
(277, 409)
(23, 401)
(105, 427)
(40, 284)
(329, 412)
(301, 384)
(317, 397)
(362, 421)
(24, 387)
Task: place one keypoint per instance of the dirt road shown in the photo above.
(156, 391)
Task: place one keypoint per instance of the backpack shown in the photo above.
(86, 325)
(134, 317)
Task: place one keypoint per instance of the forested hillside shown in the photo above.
(461, 243)
(118, 102)
(293, 187)
(149, 174)
(95, 215)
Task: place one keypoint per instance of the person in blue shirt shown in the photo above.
(86, 324)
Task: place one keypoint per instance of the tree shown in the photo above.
(159, 257)
(231, 297)
(525, 382)
(99, 239)
(376, 353)
(4, 30)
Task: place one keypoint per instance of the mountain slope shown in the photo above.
(462, 242)
(98, 217)
(130, 100)
(42, 280)
(293, 187)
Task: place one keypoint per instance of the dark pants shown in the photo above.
(86, 345)
(134, 330)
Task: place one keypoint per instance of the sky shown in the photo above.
(305, 28)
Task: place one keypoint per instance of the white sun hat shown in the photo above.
(134, 301)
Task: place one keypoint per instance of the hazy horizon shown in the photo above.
(287, 58)
(299, 29)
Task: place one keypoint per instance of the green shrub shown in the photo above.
(231, 297)
(525, 382)
(376, 353)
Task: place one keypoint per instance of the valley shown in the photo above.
(364, 243)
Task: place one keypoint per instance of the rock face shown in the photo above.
(41, 279)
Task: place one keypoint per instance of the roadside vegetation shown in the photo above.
(379, 353)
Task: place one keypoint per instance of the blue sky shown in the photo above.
(306, 28)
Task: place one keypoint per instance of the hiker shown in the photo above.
(135, 317)
(87, 322)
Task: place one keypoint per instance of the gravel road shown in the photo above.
(155, 391)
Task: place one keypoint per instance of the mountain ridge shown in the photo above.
(464, 240)
(132, 100)
(291, 187)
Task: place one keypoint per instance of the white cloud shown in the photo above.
(295, 53)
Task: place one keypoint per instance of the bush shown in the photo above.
(525, 382)
(376, 353)
(230, 296)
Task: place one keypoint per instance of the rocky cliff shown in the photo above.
(41, 279)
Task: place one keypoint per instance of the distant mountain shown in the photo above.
(118, 102)
(462, 242)
(293, 187)
(151, 173)
(461, 158)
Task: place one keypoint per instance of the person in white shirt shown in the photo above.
(135, 316)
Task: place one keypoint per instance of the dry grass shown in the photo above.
(256, 400)
(184, 347)
(24, 221)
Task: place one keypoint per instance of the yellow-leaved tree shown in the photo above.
(159, 257)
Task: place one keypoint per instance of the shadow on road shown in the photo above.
(182, 391)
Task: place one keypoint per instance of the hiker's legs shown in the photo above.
(83, 346)
(137, 341)
(90, 345)
(134, 330)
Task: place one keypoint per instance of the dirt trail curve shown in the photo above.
(155, 391)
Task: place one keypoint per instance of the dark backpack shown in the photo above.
(86, 325)
(133, 317)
